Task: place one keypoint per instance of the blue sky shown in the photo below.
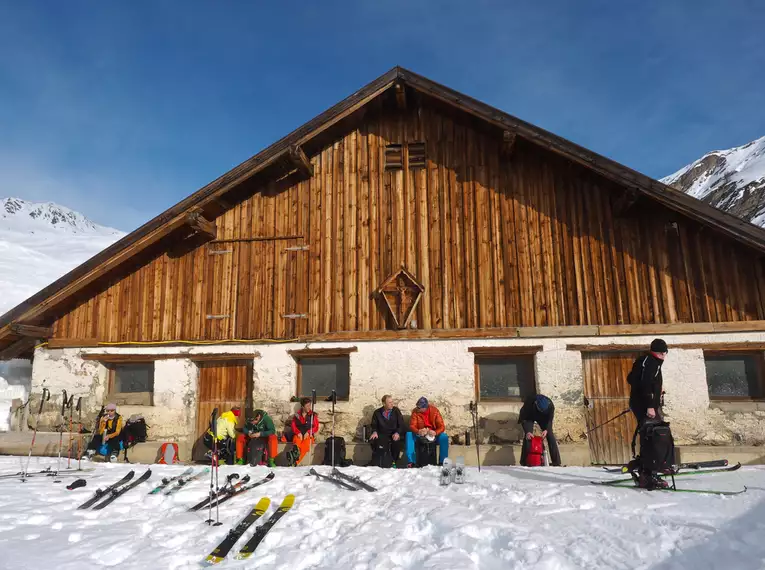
(121, 109)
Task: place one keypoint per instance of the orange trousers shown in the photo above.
(303, 444)
(241, 446)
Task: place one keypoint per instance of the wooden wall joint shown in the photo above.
(201, 225)
(31, 330)
(508, 143)
(300, 161)
(401, 96)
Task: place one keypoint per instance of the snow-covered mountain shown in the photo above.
(40, 242)
(732, 180)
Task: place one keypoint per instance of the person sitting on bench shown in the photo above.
(387, 428)
(426, 424)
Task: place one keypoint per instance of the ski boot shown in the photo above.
(271, 462)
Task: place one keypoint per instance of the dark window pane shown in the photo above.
(506, 377)
(134, 378)
(325, 375)
(734, 375)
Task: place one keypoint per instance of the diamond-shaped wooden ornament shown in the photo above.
(401, 293)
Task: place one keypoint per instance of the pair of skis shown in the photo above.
(678, 467)
(47, 472)
(221, 551)
(343, 480)
(452, 472)
(113, 491)
(628, 482)
(231, 489)
(167, 481)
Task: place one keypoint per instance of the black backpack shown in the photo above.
(339, 444)
(657, 447)
(135, 431)
(425, 452)
(637, 371)
(381, 456)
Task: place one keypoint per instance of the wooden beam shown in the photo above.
(706, 346)
(314, 352)
(201, 225)
(300, 161)
(111, 358)
(31, 330)
(18, 347)
(508, 143)
(401, 96)
(505, 350)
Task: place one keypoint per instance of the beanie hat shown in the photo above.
(422, 403)
(111, 407)
(658, 345)
(542, 403)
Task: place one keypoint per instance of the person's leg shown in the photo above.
(95, 443)
(114, 446)
(528, 427)
(395, 450)
(552, 446)
(273, 448)
(443, 447)
(409, 446)
(242, 444)
(304, 445)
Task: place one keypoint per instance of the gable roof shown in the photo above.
(39, 307)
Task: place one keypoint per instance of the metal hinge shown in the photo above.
(297, 248)
(220, 251)
(295, 316)
(218, 316)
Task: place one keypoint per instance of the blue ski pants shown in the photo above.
(441, 439)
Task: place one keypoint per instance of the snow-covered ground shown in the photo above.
(40, 242)
(503, 518)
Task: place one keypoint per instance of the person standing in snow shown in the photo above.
(426, 423)
(225, 433)
(387, 429)
(303, 435)
(541, 410)
(260, 433)
(106, 441)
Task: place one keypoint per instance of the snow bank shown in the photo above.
(503, 518)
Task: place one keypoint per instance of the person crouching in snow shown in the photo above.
(106, 442)
(426, 423)
(303, 434)
(387, 427)
(225, 433)
(260, 434)
(541, 410)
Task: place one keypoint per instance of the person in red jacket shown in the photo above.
(302, 433)
(427, 423)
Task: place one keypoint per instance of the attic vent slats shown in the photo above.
(394, 157)
(417, 155)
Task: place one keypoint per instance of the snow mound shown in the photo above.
(501, 518)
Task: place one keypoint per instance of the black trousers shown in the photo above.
(552, 443)
(113, 444)
(385, 442)
(226, 448)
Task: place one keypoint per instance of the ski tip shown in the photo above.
(243, 555)
(288, 501)
(262, 505)
(210, 560)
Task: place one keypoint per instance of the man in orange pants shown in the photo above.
(301, 427)
(259, 435)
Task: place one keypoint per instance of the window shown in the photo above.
(417, 155)
(394, 157)
(323, 370)
(734, 376)
(132, 383)
(504, 373)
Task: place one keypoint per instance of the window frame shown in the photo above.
(759, 359)
(129, 398)
(318, 353)
(502, 352)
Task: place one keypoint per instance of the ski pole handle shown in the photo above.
(79, 404)
(44, 398)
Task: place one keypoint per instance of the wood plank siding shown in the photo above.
(497, 239)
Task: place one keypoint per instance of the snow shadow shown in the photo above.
(737, 545)
(545, 475)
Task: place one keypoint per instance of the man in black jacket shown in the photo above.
(388, 430)
(646, 383)
(541, 410)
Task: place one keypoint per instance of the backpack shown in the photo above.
(535, 452)
(256, 451)
(339, 445)
(657, 447)
(381, 456)
(425, 452)
(637, 371)
(135, 431)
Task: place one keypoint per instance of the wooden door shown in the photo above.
(222, 384)
(221, 292)
(606, 393)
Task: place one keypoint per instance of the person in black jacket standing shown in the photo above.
(541, 410)
(388, 429)
(646, 383)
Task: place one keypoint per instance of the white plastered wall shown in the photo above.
(442, 370)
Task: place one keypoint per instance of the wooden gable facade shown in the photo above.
(499, 226)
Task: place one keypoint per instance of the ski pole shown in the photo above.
(71, 435)
(214, 473)
(333, 398)
(607, 421)
(474, 415)
(79, 433)
(61, 432)
(44, 398)
(310, 426)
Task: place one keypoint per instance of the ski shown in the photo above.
(445, 476)
(100, 493)
(684, 473)
(459, 470)
(45, 472)
(691, 465)
(670, 489)
(244, 488)
(122, 490)
(168, 480)
(353, 480)
(182, 482)
(260, 532)
(221, 551)
(340, 483)
(226, 489)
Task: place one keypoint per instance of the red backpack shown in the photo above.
(534, 458)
